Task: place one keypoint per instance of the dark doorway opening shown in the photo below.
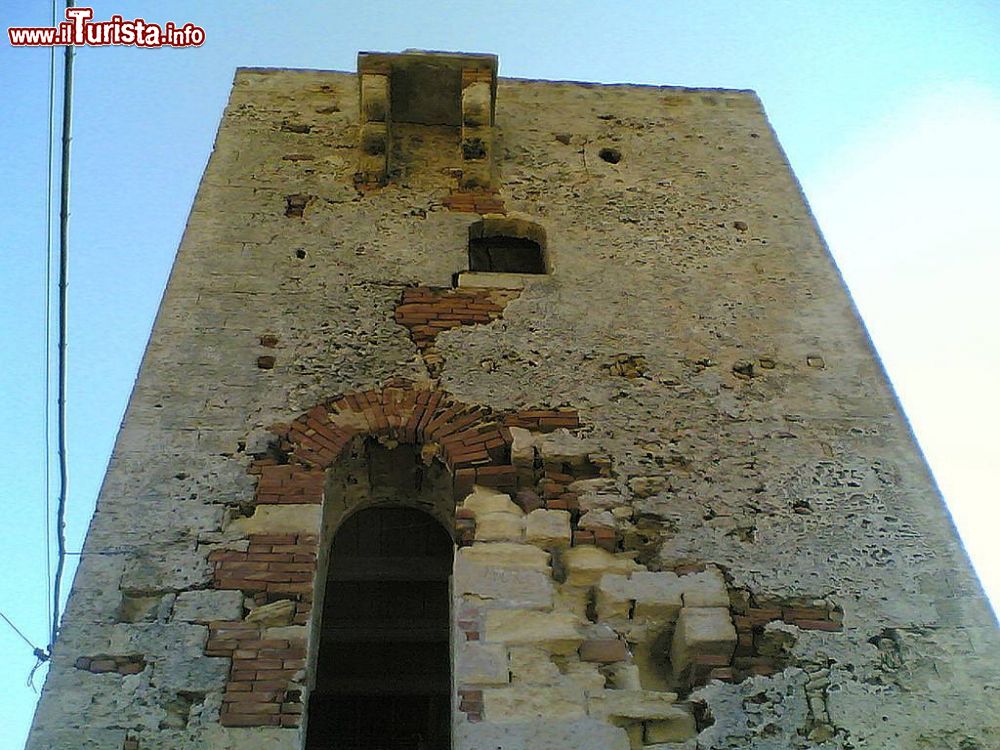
(383, 677)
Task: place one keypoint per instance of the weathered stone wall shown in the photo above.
(700, 519)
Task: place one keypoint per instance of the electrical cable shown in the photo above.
(47, 427)
(40, 656)
(67, 123)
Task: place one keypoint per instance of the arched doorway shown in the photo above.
(383, 672)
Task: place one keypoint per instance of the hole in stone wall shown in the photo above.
(610, 155)
(473, 149)
(179, 709)
(383, 672)
(295, 205)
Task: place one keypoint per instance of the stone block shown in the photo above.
(657, 595)
(206, 605)
(613, 598)
(585, 565)
(522, 703)
(594, 486)
(482, 664)
(573, 599)
(623, 676)
(670, 730)
(278, 519)
(604, 651)
(275, 614)
(287, 633)
(174, 568)
(634, 704)
(592, 501)
(506, 555)
(597, 519)
(532, 665)
(485, 500)
(506, 587)
(705, 589)
(548, 528)
(522, 451)
(576, 733)
(587, 677)
(499, 527)
(561, 447)
(557, 632)
(374, 97)
(476, 104)
(701, 631)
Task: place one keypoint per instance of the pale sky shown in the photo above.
(911, 208)
(889, 113)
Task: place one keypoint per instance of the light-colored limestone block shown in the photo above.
(657, 595)
(527, 703)
(586, 564)
(278, 519)
(557, 632)
(506, 587)
(613, 597)
(522, 450)
(597, 519)
(701, 631)
(484, 500)
(533, 666)
(476, 99)
(705, 589)
(549, 734)
(507, 555)
(548, 528)
(287, 633)
(634, 704)
(623, 676)
(374, 97)
(594, 486)
(670, 730)
(206, 605)
(482, 664)
(276, 614)
(563, 447)
(499, 527)
(587, 677)
(575, 599)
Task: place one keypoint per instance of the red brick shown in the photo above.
(248, 720)
(804, 613)
(817, 625)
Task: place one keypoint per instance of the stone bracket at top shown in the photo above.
(428, 88)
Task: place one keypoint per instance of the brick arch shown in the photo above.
(278, 568)
(472, 441)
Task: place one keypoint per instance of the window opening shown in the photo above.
(507, 245)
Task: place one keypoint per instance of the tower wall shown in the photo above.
(716, 521)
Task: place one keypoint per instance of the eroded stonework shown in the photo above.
(687, 511)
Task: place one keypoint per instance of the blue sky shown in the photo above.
(889, 113)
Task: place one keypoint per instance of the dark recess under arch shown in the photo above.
(383, 672)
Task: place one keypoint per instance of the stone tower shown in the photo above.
(501, 414)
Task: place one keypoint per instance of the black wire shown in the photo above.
(67, 122)
(48, 325)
